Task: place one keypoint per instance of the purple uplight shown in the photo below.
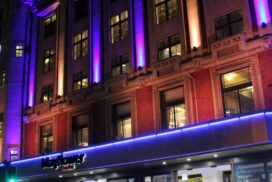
(96, 48)
(262, 11)
(139, 33)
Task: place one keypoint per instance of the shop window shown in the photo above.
(237, 92)
(119, 27)
(2, 117)
(3, 78)
(169, 47)
(173, 108)
(14, 154)
(166, 10)
(81, 130)
(50, 26)
(228, 25)
(122, 120)
(19, 51)
(49, 60)
(80, 9)
(47, 93)
(81, 45)
(120, 65)
(159, 177)
(80, 81)
(46, 139)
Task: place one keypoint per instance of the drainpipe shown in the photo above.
(194, 85)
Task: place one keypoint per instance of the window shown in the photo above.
(169, 47)
(80, 81)
(119, 27)
(14, 154)
(173, 108)
(120, 65)
(81, 45)
(47, 93)
(122, 120)
(50, 26)
(237, 92)
(81, 130)
(80, 9)
(2, 117)
(46, 139)
(3, 78)
(166, 10)
(49, 60)
(228, 25)
(19, 51)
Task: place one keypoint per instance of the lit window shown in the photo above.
(80, 81)
(119, 27)
(49, 60)
(237, 92)
(173, 108)
(228, 25)
(46, 139)
(81, 45)
(47, 93)
(3, 78)
(81, 130)
(169, 47)
(14, 154)
(166, 10)
(120, 65)
(19, 51)
(122, 120)
(50, 26)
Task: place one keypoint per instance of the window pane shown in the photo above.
(120, 129)
(161, 13)
(236, 78)
(180, 115)
(115, 36)
(246, 100)
(159, 1)
(176, 50)
(116, 71)
(170, 117)
(124, 30)
(124, 15)
(231, 103)
(115, 20)
(77, 49)
(163, 54)
(125, 68)
(172, 9)
(127, 128)
(84, 47)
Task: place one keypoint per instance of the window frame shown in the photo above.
(50, 27)
(47, 90)
(3, 78)
(119, 24)
(51, 58)
(80, 44)
(19, 51)
(123, 60)
(167, 18)
(79, 77)
(168, 46)
(76, 128)
(41, 137)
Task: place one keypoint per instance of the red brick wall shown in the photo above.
(204, 95)
(30, 140)
(62, 131)
(265, 62)
(145, 116)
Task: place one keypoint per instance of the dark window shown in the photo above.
(3, 78)
(122, 120)
(228, 25)
(80, 81)
(237, 92)
(19, 51)
(46, 139)
(2, 117)
(49, 60)
(119, 27)
(80, 9)
(169, 47)
(49, 26)
(81, 45)
(173, 108)
(81, 130)
(166, 10)
(47, 93)
(120, 65)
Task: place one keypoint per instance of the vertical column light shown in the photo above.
(139, 33)
(194, 23)
(262, 12)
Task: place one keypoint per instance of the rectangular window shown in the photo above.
(80, 81)
(14, 154)
(81, 130)
(166, 10)
(81, 45)
(120, 65)
(49, 60)
(80, 9)
(46, 139)
(50, 26)
(228, 25)
(3, 78)
(122, 120)
(173, 108)
(119, 27)
(47, 93)
(237, 92)
(169, 47)
(19, 51)
(2, 117)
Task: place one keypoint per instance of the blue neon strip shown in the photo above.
(172, 132)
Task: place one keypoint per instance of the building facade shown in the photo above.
(135, 90)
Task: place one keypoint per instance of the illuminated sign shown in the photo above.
(63, 162)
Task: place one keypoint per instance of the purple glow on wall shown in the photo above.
(139, 33)
(96, 48)
(262, 11)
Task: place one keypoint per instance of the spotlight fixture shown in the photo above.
(75, 174)
(188, 159)
(91, 172)
(215, 155)
(60, 176)
(164, 163)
